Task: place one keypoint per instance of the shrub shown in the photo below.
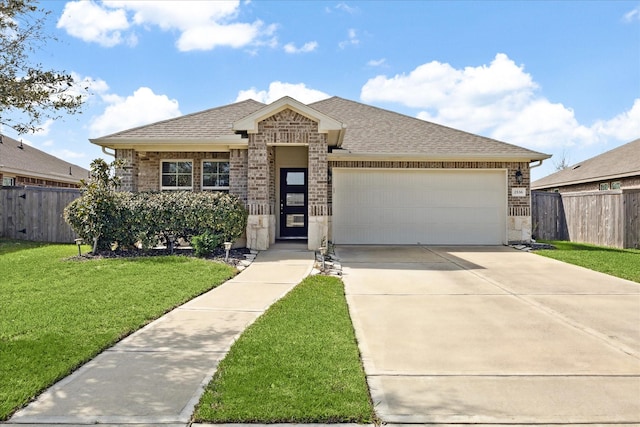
(204, 244)
(96, 215)
(108, 217)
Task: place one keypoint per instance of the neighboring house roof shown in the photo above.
(21, 159)
(620, 162)
(367, 132)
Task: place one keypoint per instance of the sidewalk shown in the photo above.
(156, 375)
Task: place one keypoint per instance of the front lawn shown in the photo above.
(624, 263)
(298, 363)
(56, 314)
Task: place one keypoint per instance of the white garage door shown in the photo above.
(391, 206)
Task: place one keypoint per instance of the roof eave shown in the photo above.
(339, 155)
(585, 180)
(223, 143)
(69, 179)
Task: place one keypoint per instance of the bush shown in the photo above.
(205, 244)
(122, 219)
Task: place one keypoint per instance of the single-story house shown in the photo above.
(337, 170)
(616, 169)
(22, 164)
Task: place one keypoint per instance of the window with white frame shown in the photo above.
(604, 186)
(8, 181)
(616, 185)
(176, 175)
(215, 174)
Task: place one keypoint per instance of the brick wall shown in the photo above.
(39, 182)
(238, 165)
(285, 127)
(129, 172)
(148, 170)
(630, 182)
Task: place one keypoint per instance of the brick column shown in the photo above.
(318, 191)
(259, 223)
(129, 172)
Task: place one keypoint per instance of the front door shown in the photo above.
(293, 203)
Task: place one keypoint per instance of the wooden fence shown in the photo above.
(35, 213)
(607, 218)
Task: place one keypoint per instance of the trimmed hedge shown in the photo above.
(124, 219)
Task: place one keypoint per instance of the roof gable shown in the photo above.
(249, 123)
(617, 163)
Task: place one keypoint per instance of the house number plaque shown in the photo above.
(519, 192)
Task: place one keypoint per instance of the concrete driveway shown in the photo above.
(493, 335)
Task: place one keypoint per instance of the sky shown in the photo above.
(559, 77)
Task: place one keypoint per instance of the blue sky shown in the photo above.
(558, 77)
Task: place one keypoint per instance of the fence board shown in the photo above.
(37, 216)
(606, 218)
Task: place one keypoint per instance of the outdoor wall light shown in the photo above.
(519, 176)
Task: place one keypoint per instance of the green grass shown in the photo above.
(624, 263)
(299, 362)
(56, 314)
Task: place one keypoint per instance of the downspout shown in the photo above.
(104, 150)
(530, 166)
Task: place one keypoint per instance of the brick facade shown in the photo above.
(629, 182)
(238, 168)
(148, 167)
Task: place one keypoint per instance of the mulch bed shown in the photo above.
(235, 255)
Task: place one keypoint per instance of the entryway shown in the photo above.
(293, 203)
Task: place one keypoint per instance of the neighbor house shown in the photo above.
(337, 170)
(595, 201)
(22, 164)
(616, 169)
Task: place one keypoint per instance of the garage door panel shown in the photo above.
(411, 206)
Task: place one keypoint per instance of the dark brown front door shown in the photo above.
(293, 202)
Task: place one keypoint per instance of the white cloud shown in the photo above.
(67, 155)
(377, 62)
(632, 15)
(352, 39)
(202, 25)
(307, 47)
(277, 90)
(44, 128)
(140, 108)
(92, 23)
(346, 8)
(499, 100)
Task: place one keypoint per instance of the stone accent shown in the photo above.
(318, 231)
(260, 231)
(129, 172)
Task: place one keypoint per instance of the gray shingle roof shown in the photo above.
(619, 162)
(378, 131)
(369, 130)
(29, 161)
(211, 123)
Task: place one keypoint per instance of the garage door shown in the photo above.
(391, 206)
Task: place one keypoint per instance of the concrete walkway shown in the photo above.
(492, 335)
(156, 375)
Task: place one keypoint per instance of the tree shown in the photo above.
(29, 94)
(562, 163)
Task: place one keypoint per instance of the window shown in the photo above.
(616, 185)
(8, 181)
(215, 174)
(604, 186)
(177, 175)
